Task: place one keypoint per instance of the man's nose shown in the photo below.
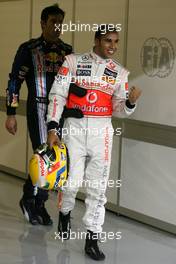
(113, 45)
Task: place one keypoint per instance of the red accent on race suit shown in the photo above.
(63, 70)
(54, 107)
(106, 150)
(91, 107)
(126, 86)
(111, 65)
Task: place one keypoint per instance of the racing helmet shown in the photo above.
(48, 168)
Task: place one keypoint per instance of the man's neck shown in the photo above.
(98, 54)
(49, 41)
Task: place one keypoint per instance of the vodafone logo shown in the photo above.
(91, 97)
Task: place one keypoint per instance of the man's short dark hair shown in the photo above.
(104, 29)
(51, 10)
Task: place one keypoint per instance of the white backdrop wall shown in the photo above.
(153, 22)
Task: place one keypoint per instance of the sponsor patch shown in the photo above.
(63, 70)
(110, 73)
(14, 100)
(42, 167)
(83, 66)
(85, 62)
(85, 57)
(126, 86)
(111, 65)
(81, 72)
(92, 108)
(53, 57)
(108, 79)
(127, 95)
(61, 79)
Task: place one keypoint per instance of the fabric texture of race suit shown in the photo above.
(37, 62)
(89, 139)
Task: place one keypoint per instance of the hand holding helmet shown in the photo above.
(53, 139)
(48, 168)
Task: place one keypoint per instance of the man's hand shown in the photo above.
(11, 124)
(134, 94)
(53, 139)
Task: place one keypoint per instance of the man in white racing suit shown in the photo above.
(102, 85)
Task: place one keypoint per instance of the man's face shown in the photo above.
(106, 46)
(49, 27)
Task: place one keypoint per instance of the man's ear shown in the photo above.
(42, 23)
(97, 42)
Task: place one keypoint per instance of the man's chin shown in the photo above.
(55, 39)
(56, 36)
(108, 56)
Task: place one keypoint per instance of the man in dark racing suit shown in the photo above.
(37, 61)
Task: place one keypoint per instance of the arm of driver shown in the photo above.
(120, 96)
(57, 100)
(59, 93)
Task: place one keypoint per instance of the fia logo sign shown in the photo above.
(157, 57)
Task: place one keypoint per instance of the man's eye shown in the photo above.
(54, 21)
(108, 40)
